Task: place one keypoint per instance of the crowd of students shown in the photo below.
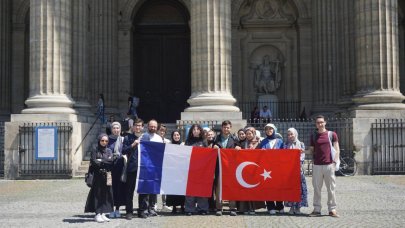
(116, 158)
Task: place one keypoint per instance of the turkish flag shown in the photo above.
(261, 175)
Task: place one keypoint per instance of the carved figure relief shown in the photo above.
(267, 75)
(267, 10)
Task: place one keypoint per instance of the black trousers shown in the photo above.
(274, 206)
(130, 184)
(147, 202)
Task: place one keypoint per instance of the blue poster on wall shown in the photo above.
(46, 143)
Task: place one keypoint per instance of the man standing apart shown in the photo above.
(224, 140)
(147, 202)
(325, 159)
(131, 142)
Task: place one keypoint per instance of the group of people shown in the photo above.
(114, 163)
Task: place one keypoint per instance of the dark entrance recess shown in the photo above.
(162, 75)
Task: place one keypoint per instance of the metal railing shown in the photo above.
(306, 127)
(1, 149)
(280, 109)
(30, 167)
(388, 146)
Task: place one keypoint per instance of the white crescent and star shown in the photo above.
(242, 182)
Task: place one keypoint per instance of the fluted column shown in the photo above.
(50, 57)
(377, 72)
(80, 79)
(104, 30)
(326, 55)
(348, 76)
(211, 57)
(5, 44)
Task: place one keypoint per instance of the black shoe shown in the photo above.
(203, 213)
(174, 211)
(142, 215)
(128, 216)
(189, 213)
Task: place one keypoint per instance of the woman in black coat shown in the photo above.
(100, 198)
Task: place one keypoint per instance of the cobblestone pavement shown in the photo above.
(363, 201)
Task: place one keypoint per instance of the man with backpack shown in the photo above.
(126, 125)
(325, 149)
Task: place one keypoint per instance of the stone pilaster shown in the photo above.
(326, 60)
(211, 57)
(5, 55)
(80, 79)
(377, 72)
(104, 30)
(50, 57)
(347, 50)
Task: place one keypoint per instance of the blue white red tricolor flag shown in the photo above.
(175, 170)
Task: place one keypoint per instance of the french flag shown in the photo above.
(175, 170)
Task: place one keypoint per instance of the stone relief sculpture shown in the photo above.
(267, 75)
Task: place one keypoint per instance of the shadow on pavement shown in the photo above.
(79, 219)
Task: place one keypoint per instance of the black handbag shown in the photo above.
(89, 178)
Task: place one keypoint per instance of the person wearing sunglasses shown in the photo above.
(100, 197)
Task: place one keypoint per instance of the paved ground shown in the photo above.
(363, 201)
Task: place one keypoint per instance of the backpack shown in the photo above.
(124, 125)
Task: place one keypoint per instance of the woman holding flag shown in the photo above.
(196, 138)
(176, 200)
(272, 142)
(294, 143)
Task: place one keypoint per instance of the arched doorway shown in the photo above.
(161, 42)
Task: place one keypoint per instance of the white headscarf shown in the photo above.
(296, 143)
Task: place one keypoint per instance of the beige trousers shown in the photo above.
(320, 174)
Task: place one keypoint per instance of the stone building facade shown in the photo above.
(194, 59)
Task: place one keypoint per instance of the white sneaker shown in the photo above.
(117, 213)
(112, 215)
(272, 212)
(166, 208)
(98, 218)
(291, 212)
(105, 217)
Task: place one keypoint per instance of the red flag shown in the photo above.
(259, 175)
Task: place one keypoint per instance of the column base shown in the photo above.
(374, 100)
(212, 102)
(49, 104)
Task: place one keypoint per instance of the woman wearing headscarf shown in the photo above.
(272, 142)
(100, 198)
(294, 143)
(118, 173)
(175, 200)
(251, 142)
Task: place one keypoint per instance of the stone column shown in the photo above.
(80, 79)
(326, 55)
(211, 76)
(50, 57)
(376, 39)
(104, 30)
(5, 55)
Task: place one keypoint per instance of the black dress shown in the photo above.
(100, 198)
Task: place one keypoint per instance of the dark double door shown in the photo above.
(162, 77)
